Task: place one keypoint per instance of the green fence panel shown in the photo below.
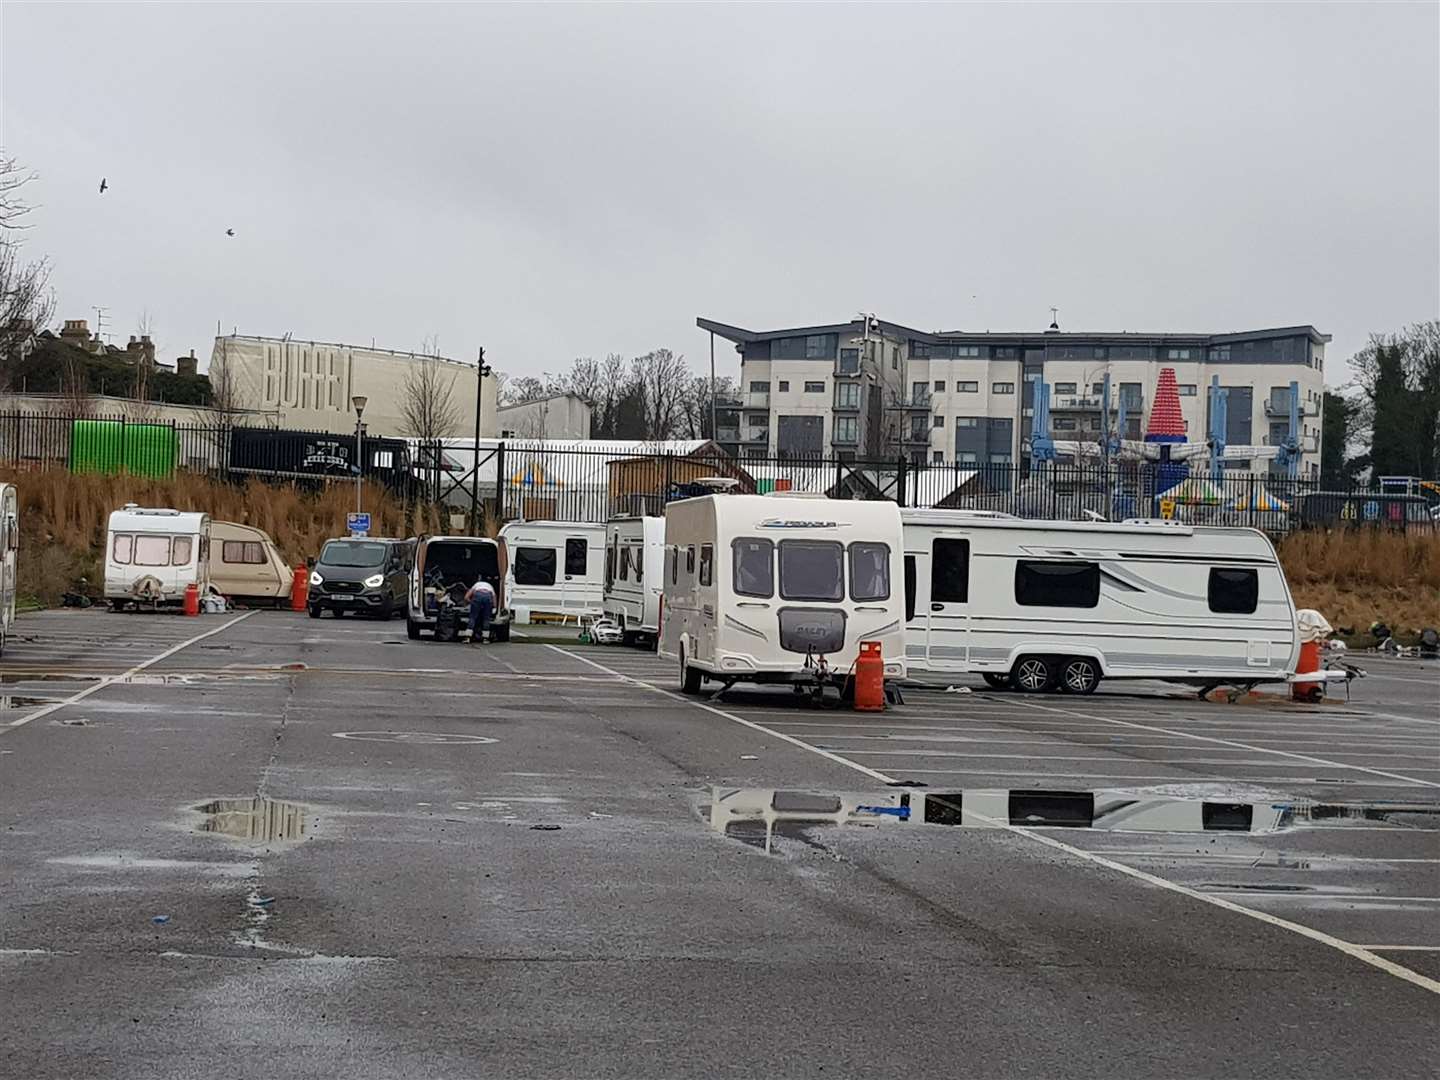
(108, 446)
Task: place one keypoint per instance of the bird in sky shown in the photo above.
(229, 232)
(103, 185)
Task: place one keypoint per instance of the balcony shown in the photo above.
(917, 401)
(1091, 403)
(727, 435)
(1279, 408)
(757, 435)
(758, 399)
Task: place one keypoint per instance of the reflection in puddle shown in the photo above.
(755, 815)
(255, 821)
(16, 701)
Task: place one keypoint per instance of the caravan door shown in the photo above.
(948, 632)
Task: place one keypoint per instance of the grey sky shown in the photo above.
(572, 180)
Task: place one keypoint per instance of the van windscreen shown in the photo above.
(812, 570)
(353, 553)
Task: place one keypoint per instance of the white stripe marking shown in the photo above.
(1356, 951)
(1229, 742)
(109, 679)
(1401, 948)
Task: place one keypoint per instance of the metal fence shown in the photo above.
(525, 479)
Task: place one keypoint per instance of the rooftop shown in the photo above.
(398, 353)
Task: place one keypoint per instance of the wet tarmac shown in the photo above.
(402, 859)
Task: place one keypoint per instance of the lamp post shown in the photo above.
(359, 401)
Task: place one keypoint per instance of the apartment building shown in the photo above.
(871, 388)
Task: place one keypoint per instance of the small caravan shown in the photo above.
(246, 565)
(1043, 604)
(9, 550)
(780, 588)
(151, 555)
(556, 568)
(631, 598)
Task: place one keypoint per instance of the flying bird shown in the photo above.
(229, 232)
(103, 185)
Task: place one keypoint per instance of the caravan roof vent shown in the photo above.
(795, 495)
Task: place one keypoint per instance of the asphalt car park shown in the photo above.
(284, 847)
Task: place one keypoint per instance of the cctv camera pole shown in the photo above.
(714, 431)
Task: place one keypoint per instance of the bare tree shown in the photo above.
(662, 378)
(75, 400)
(427, 402)
(26, 302)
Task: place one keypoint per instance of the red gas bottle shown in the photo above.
(870, 678)
(192, 599)
(299, 588)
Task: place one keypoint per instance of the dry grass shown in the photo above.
(1357, 576)
(64, 516)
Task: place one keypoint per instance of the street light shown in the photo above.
(359, 401)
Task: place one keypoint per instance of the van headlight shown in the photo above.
(374, 581)
(316, 579)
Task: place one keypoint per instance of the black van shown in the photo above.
(361, 574)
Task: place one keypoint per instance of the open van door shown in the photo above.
(948, 616)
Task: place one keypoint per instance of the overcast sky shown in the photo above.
(555, 181)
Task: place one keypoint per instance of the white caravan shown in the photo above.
(632, 600)
(246, 565)
(780, 588)
(556, 568)
(151, 555)
(9, 549)
(1041, 604)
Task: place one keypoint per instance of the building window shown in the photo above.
(849, 361)
(846, 429)
(1177, 354)
(894, 357)
(1007, 352)
(967, 421)
(814, 388)
(784, 387)
(1233, 592)
(967, 351)
(819, 347)
(965, 457)
(967, 386)
(1094, 423)
(847, 395)
(919, 391)
(999, 459)
(1187, 389)
(939, 386)
(1219, 352)
(919, 350)
(1065, 423)
(1057, 584)
(1002, 388)
(937, 457)
(939, 420)
(1064, 388)
(759, 387)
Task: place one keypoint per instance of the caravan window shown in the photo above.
(754, 568)
(674, 565)
(124, 549)
(707, 564)
(610, 566)
(950, 572)
(534, 566)
(690, 561)
(242, 551)
(152, 550)
(1057, 584)
(625, 564)
(811, 570)
(909, 587)
(180, 550)
(869, 571)
(576, 556)
(1234, 592)
(637, 557)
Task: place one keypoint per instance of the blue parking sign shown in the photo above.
(358, 524)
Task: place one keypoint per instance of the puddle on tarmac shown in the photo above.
(17, 701)
(255, 821)
(755, 815)
(17, 677)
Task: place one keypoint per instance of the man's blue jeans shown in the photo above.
(481, 610)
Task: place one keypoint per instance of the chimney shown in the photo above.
(76, 332)
(147, 350)
(185, 365)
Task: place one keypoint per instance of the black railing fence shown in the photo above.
(515, 479)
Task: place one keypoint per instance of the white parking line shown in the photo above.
(1179, 774)
(1228, 742)
(109, 679)
(1401, 948)
(1355, 951)
(1111, 759)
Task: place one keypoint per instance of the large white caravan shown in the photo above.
(556, 568)
(634, 544)
(151, 555)
(780, 587)
(9, 549)
(1041, 604)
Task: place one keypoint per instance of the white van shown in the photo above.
(151, 555)
(556, 568)
(1041, 604)
(632, 600)
(780, 588)
(9, 551)
(246, 565)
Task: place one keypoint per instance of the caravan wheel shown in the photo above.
(689, 676)
(997, 680)
(1081, 675)
(1033, 674)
